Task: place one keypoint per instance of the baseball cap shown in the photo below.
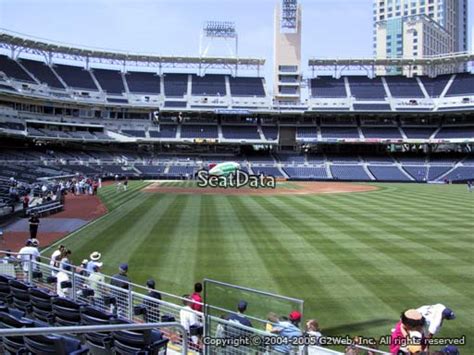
(242, 305)
(451, 350)
(123, 267)
(295, 316)
(150, 283)
(448, 314)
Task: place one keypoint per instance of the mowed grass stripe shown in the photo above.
(348, 285)
(426, 234)
(393, 243)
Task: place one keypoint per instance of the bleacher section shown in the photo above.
(463, 84)
(240, 132)
(364, 88)
(199, 131)
(76, 77)
(143, 83)
(267, 170)
(339, 132)
(461, 173)
(381, 132)
(419, 132)
(13, 70)
(401, 87)
(435, 86)
(328, 87)
(42, 72)
(242, 86)
(270, 132)
(387, 173)
(313, 173)
(134, 133)
(208, 85)
(176, 85)
(349, 173)
(418, 172)
(306, 133)
(456, 132)
(109, 80)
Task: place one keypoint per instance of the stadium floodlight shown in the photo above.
(218, 30)
(289, 14)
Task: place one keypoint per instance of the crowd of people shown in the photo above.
(410, 336)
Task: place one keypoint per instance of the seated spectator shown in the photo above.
(150, 305)
(65, 258)
(410, 320)
(121, 279)
(239, 317)
(94, 260)
(288, 329)
(196, 297)
(313, 331)
(188, 317)
(272, 319)
(434, 316)
(62, 277)
(94, 281)
(27, 253)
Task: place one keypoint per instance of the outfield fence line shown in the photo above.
(135, 305)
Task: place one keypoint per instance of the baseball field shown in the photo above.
(357, 259)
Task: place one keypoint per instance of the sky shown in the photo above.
(331, 28)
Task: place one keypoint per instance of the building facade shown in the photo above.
(419, 29)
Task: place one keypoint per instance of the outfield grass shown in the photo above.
(356, 259)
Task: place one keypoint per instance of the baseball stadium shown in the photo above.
(154, 204)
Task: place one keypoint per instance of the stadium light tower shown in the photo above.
(287, 52)
(218, 31)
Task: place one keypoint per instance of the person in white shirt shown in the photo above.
(27, 253)
(56, 258)
(63, 276)
(434, 316)
(188, 317)
(312, 330)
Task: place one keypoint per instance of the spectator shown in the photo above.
(313, 331)
(187, 316)
(34, 223)
(63, 278)
(56, 258)
(239, 317)
(434, 316)
(26, 203)
(272, 320)
(288, 329)
(150, 305)
(121, 279)
(450, 350)
(27, 253)
(125, 184)
(8, 258)
(410, 320)
(95, 279)
(196, 297)
(94, 260)
(65, 258)
(82, 269)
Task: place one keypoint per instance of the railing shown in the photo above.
(134, 304)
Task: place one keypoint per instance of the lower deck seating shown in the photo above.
(387, 173)
(349, 172)
(307, 173)
(461, 173)
(418, 172)
(268, 171)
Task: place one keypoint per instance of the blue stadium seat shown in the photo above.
(76, 77)
(339, 132)
(143, 83)
(403, 87)
(42, 72)
(198, 131)
(109, 80)
(14, 345)
(54, 345)
(208, 85)
(349, 173)
(13, 70)
(435, 86)
(241, 86)
(328, 87)
(66, 312)
(463, 84)
(21, 296)
(365, 88)
(41, 304)
(176, 85)
(387, 173)
(240, 132)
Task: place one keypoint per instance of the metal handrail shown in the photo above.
(96, 328)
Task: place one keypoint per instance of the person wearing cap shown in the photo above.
(239, 317)
(288, 329)
(34, 223)
(63, 276)
(313, 331)
(95, 279)
(434, 316)
(121, 279)
(196, 297)
(410, 320)
(27, 253)
(152, 293)
(188, 317)
(94, 260)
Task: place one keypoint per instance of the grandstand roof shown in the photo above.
(27, 44)
(462, 57)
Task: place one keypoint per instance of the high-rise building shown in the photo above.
(287, 56)
(419, 29)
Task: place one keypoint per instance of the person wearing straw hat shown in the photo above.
(94, 260)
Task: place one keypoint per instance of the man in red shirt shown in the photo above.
(196, 297)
